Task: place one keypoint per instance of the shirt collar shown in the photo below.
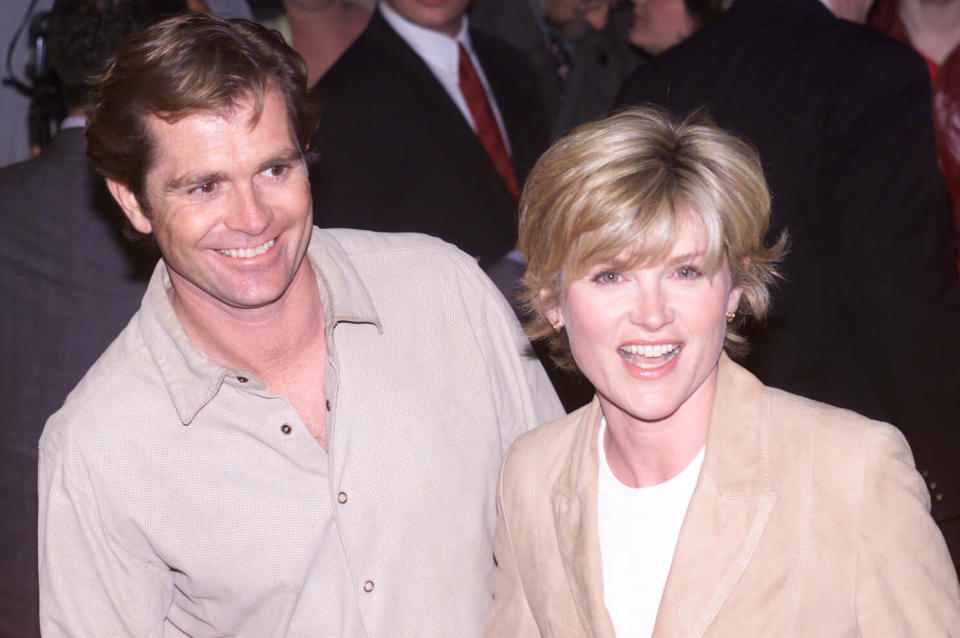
(193, 379)
(436, 49)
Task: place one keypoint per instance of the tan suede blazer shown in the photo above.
(806, 520)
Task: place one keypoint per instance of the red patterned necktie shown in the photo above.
(487, 128)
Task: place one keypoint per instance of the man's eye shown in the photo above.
(206, 188)
(278, 170)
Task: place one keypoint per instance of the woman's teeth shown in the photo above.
(658, 354)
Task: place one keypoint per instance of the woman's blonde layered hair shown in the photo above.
(628, 182)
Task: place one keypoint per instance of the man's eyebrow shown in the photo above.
(287, 156)
(193, 179)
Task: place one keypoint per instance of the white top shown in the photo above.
(442, 56)
(639, 528)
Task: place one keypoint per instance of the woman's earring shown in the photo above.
(731, 316)
(557, 327)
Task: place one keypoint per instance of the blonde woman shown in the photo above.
(688, 499)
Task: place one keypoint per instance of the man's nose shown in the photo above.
(250, 214)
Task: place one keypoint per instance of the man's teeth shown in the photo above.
(658, 355)
(247, 253)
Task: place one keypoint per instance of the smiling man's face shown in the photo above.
(229, 202)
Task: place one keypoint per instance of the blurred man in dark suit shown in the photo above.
(68, 280)
(869, 310)
(429, 126)
(578, 48)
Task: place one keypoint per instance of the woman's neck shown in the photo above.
(322, 34)
(645, 453)
(933, 26)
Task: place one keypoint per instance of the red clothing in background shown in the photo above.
(945, 79)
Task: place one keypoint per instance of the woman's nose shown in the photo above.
(651, 308)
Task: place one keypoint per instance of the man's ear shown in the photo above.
(130, 205)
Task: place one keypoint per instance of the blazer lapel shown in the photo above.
(729, 510)
(575, 516)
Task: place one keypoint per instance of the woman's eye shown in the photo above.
(608, 277)
(688, 272)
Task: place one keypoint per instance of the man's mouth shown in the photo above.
(247, 253)
(649, 357)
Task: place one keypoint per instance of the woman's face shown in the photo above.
(660, 24)
(649, 338)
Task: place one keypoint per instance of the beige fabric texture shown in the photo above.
(807, 520)
(175, 501)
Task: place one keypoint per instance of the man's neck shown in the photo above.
(933, 27)
(264, 341)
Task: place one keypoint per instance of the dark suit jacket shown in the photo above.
(869, 315)
(397, 155)
(68, 285)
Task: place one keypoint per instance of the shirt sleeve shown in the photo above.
(906, 582)
(90, 585)
(525, 396)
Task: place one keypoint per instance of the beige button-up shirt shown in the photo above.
(179, 497)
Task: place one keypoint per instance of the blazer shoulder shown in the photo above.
(540, 453)
(839, 442)
(797, 411)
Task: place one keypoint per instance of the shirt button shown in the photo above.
(368, 586)
(285, 428)
(328, 405)
(342, 497)
(242, 379)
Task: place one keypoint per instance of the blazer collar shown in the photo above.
(575, 516)
(728, 512)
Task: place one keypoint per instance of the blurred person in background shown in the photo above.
(578, 48)
(661, 24)
(932, 28)
(319, 30)
(68, 279)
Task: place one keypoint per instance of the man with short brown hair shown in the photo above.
(299, 433)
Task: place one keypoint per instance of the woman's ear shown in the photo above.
(130, 205)
(551, 312)
(733, 299)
